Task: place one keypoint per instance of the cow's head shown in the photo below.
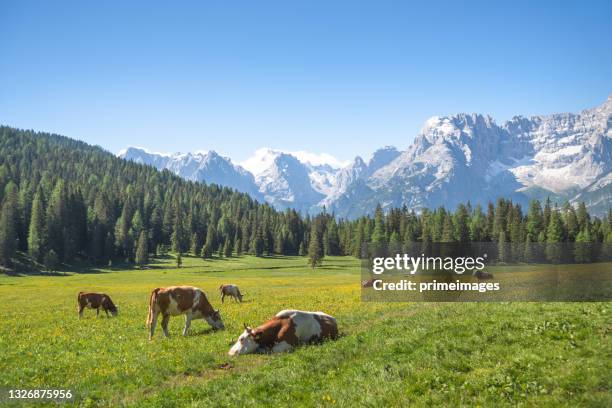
(214, 319)
(247, 343)
(110, 306)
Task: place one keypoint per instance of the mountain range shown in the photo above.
(453, 159)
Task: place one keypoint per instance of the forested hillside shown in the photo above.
(64, 200)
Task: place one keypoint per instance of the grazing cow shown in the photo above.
(285, 331)
(230, 290)
(96, 301)
(177, 300)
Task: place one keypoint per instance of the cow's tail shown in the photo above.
(152, 301)
(221, 288)
(79, 297)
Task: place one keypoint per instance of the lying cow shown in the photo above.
(177, 300)
(96, 301)
(285, 331)
(230, 290)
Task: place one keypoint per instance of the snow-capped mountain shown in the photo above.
(469, 157)
(453, 159)
(209, 167)
(286, 182)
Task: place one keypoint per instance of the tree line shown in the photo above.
(63, 200)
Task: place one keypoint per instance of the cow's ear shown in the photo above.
(247, 328)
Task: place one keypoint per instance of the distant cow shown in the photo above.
(177, 300)
(230, 290)
(96, 301)
(285, 331)
(483, 275)
(368, 283)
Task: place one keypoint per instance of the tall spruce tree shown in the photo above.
(315, 250)
(142, 249)
(36, 231)
(8, 225)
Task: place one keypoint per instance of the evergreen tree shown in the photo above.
(535, 221)
(502, 248)
(257, 245)
(447, 230)
(57, 219)
(207, 251)
(239, 247)
(195, 246)
(478, 225)
(36, 231)
(379, 236)
(142, 249)
(554, 235)
(462, 230)
(8, 226)
(179, 260)
(570, 220)
(315, 252)
(583, 247)
(227, 248)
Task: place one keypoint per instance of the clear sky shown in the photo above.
(341, 77)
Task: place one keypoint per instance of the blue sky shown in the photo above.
(341, 77)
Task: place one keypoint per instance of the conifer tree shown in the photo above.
(239, 247)
(315, 252)
(447, 230)
(379, 236)
(227, 248)
(142, 249)
(554, 235)
(36, 231)
(502, 249)
(8, 226)
(462, 231)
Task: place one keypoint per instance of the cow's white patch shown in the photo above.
(245, 345)
(306, 326)
(281, 347)
(196, 298)
(173, 309)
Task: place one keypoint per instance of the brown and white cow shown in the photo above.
(285, 331)
(96, 301)
(230, 290)
(177, 300)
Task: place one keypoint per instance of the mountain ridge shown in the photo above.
(453, 159)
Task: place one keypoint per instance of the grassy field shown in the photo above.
(390, 354)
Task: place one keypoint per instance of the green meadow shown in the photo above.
(389, 354)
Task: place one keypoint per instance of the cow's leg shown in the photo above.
(106, 311)
(153, 324)
(97, 312)
(164, 324)
(188, 317)
(81, 307)
(281, 347)
(222, 297)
